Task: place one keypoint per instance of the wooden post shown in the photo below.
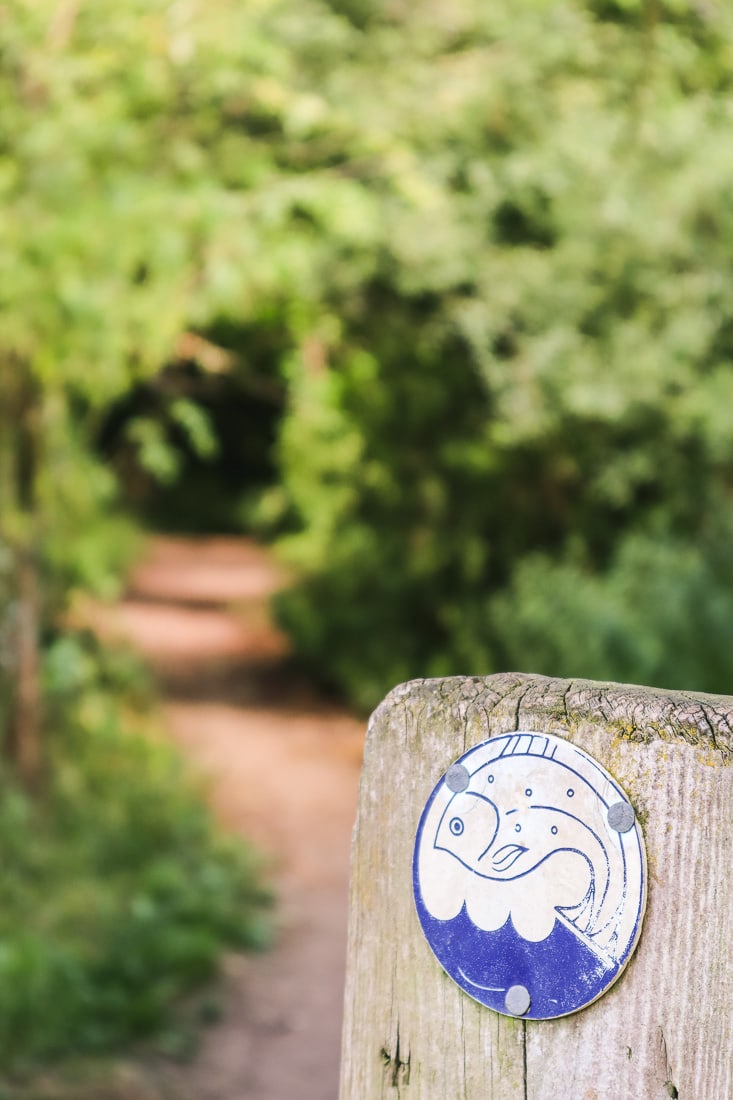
(665, 1028)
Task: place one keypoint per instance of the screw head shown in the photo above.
(517, 1000)
(457, 778)
(621, 817)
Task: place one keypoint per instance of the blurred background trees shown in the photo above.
(438, 296)
(507, 442)
(441, 297)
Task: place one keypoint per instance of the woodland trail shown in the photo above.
(281, 767)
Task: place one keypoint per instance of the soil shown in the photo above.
(281, 765)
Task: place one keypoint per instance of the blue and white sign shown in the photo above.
(530, 875)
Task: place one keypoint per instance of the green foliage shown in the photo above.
(117, 893)
(507, 440)
(116, 226)
(484, 250)
(662, 614)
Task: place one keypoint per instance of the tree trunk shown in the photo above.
(26, 711)
(665, 1029)
(19, 458)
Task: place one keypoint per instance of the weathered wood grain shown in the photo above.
(665, 1029)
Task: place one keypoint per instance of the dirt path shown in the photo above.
(282, 768)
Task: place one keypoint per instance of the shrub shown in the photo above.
(118, 893)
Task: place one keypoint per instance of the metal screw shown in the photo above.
(517, 1000)
(457, 778)
(621, 817)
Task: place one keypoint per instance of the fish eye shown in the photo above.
(517, 828)
(490, 779)
(553, 830)
(456, 826)
(570, 792)
(528, 792)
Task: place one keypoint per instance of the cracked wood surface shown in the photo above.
(665, 1028)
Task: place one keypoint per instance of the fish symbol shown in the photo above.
(513, 818)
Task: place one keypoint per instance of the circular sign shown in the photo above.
(530, 875)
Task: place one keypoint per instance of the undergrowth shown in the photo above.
(117, 893)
